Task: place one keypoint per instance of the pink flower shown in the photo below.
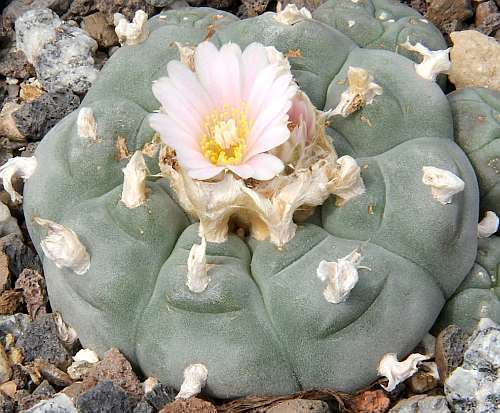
(228, 113)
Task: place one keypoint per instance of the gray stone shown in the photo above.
(62, 54)
(475, 386)
(422, 404)
(5, 370)
(143, 407)
(106, 397)
(300, 406)
(36, 118)
(13, 63)
(159, 3)
(160, 396)
(20, 255)
(13, 324)
(40, 340)
(59, 404)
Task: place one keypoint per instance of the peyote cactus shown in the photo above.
(271, 315)
(476, 116)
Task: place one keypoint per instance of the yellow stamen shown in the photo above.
(225, 135)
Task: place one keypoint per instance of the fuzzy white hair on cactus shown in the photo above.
(195, 378)
(227, 113)
(63, 247)
(86, 123)
(396, 371)
(488, 225)
(444, 184)
(134, 32)
(291, 14)
(197, 277)
(341, 277)
(20, 166)
(65, 332)
(433, 62)
(134, 181)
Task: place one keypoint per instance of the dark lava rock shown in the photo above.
(79, 8)
(52, 374)
(125, 7)
(106, 397)
(35, 119)
(13, 63)
(32, 285)
(451, 344)
(44, 389)
(490, 24)
(142, 407)
(160, 396)
(6, 404)
(449, 15)
(20, 255)
(41, 341)
(192, 405)
(98, 28)
(115, 367)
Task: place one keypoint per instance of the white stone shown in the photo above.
(396, 371)
(291, 14)
(361, 92)
(134, 32)
(61, 53)
(134, 181)
(8, 224)
(195, 378)
(444, 184)
(63, 247)
(87, 355)
(488, 225)
(20, 166)
(433, 62)
(149, 384)
(341, 277)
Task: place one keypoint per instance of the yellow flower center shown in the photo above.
(225, 137)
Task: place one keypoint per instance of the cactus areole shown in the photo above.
(184, 210)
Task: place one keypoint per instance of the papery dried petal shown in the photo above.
(433, 62)
(20, 166)
(361, 92)
(341, 277)
(397, 372)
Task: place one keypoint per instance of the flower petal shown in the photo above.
(189, 86)
(265, 166)
(269, 139)
(176, 106)
(205, 173)
(219, 72)
(171, 132)
(244, 170)
(254, 60)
